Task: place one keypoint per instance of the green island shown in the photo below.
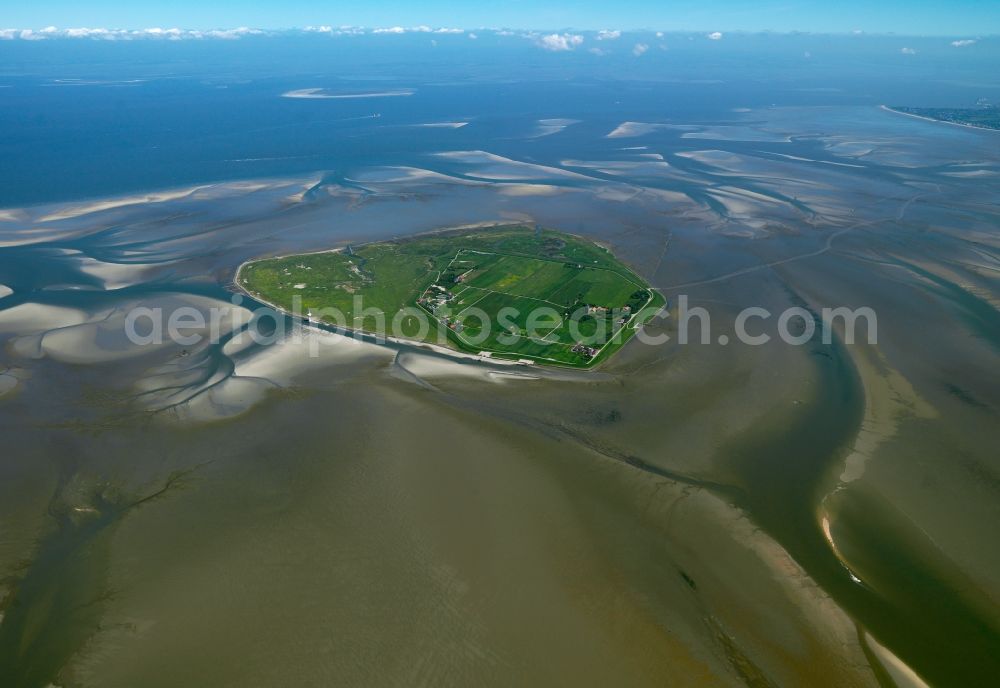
(983, 117)
(513, 293)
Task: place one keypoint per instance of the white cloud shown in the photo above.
(157, 33)
(639, 49)
(415, 29)
(598, 51)
(173, 34)
(659, 34)
(908, 51)
(473, 36)
(609, 35)
(715, 36)
(231, 34)
(964, 42)
(89, 33)
(559, 42)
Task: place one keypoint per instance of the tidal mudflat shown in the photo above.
(699, 514)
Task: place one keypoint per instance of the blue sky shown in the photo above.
(914, 17)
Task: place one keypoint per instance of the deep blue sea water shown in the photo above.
(94, 118)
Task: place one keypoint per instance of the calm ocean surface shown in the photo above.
(87, 118)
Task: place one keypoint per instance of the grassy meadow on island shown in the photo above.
(509, 292)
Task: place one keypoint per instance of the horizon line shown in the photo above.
(99, 32)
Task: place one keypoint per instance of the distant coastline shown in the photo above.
(967, 125)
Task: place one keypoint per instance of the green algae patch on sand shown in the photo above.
(511, 293)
